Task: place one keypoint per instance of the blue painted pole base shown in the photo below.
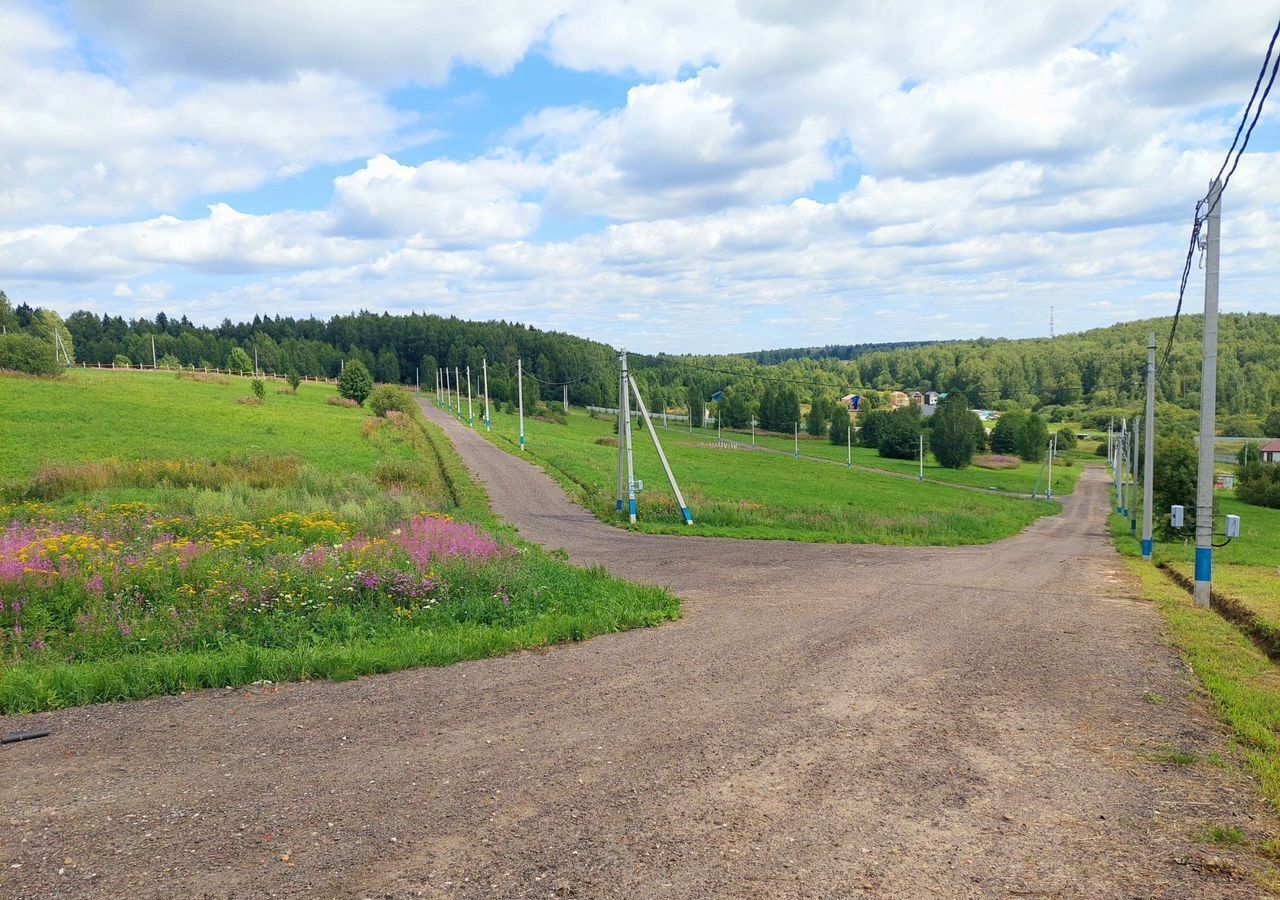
(688, 517)
(1148, 547)
(1204, 564)
(1133, 527)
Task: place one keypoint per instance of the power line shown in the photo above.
(1199, 217)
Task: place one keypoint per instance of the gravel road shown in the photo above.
(826, 721)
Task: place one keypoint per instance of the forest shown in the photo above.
(1084, 376)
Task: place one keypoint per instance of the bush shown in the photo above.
(27, 354)
(169, 361)
(997, 462)
(838, 430)
(122, 361)
(355, 382)
(389, 398)
(1067, 439)
(259, 389)
(1175, 479)
(239, 361)
(1259, 484)
(954, 438)
(342, 401)
(1100, 450)
(1033, 439)
(900, 433)
(294, 380)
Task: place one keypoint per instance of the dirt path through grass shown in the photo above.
(827, 721)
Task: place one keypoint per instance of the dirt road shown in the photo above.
(827, 721)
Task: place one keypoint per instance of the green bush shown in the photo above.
(27, 354)
(121, 360)
(355, 382)
(954, 438)
(1066, 439)
(1175, 479)
(259, 389)
(389, 398)
(900, 433)
(169, 361)
(294, 380)
(239, 361)
(1259, 484)
(1100, 450)
(838, 430)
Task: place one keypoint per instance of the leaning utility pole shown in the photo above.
(1149, 449)
(1208, 401)
(662, 457)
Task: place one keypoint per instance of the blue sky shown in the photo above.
(666, 176)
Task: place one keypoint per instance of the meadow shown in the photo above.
(1022, 479)
(745, 494)
(1228, 652)
(159, 535)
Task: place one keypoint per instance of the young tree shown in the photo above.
(239, 361)
(819, 420)
(1033, 439)
(1175, 478)
(900, 433)
(953, 437)
(294, 380)
(838, 430)
(1008, 432)
(872, 422)
(1066, 439)
(1271, 424)
(355, 382)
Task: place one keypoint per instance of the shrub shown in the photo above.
(1100, 450)
(169, 361)
(838, 430)
(1008, 429)
(343, 401)
(1175, 479)
(389, 398)
(294, 380)
(900, 433)
(1066, 439)
(259, 389)
(1033, 438)
(954, 439)
(122, 361)
(239, 361)
(1259, 484)
(355, 382)
(27, 354)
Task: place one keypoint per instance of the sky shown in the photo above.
(656, 174)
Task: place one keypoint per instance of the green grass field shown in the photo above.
(158, 536)
(1236, 672)
(745, 494)
(1022, 480)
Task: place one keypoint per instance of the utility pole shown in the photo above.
(1053, 452)
(471, 414)
(1149, 449)
(622, 434)
(566, 399)
(848, 443)
(484, 366)
(797, 440)
(255, 361)
(922, 457)
(153, 353)
(753, 432)
(1208, 401)
(1119, 467)
(520, 396)
(662, 457)
(457, 389)
(1133, 491)
(417, 380)
(624, 438)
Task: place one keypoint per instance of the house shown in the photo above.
(1270, 452)
(917, 398)
(717, 396)
(931, 398)
(852, 402)
(899, 399)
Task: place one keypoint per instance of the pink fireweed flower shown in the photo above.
(315, 559)
(425, 538)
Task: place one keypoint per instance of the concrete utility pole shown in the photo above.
(922, 457)
(417, 380)
(848, 443)
(457, 389)
(484, 366)
(1053, 452)
(753, 431)
(662, 457)
(1208, 401)
(797, 440)
(624, 436)
(1118, 467)
(1149, 449)
(520, 396)
(153, 353)
(471, 414)
(1133, 506)
(566, 399)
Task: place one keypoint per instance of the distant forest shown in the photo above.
(1097, 370)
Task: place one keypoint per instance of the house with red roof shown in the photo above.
(1270, 452)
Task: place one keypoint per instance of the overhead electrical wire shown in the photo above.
(1201, 213)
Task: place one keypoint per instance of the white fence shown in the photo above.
(205, 370)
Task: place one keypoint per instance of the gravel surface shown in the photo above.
(826, 721)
